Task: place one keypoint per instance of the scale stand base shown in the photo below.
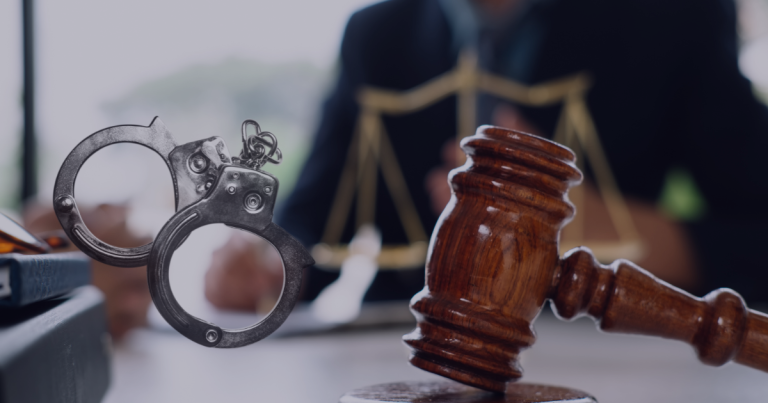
(453, 392)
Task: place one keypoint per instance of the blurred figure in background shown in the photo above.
(667, 93)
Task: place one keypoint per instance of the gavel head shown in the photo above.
(492, 257)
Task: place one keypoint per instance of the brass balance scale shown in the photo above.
(371, 150)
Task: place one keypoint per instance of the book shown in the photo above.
(25, 279)
(56, 350)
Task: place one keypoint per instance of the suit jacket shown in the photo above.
(667, 93)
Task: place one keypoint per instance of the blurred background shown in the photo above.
(203, 67)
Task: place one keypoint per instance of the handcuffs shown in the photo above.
(210, 187)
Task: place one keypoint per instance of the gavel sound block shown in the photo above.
(493, 261)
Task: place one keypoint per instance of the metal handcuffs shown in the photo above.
(210, 187)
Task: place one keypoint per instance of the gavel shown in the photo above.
(494, 261)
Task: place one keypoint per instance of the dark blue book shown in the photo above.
(25, 279)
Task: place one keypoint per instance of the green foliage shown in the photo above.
(286, 91)
(213, 99)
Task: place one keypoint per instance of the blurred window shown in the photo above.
(10, 103)
(203, 67)
(753, 29)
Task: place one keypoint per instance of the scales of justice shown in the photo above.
(371, 150)
(494, 257)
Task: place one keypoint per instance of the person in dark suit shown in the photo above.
(667, 93)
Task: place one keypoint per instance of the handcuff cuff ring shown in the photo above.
(155, 137)
(231, 203)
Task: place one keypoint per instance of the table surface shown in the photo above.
(162, 366)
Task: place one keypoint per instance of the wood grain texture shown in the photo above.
(493, 262)
(452, 392)
(627, 299)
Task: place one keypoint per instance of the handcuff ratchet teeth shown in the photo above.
(210, 187)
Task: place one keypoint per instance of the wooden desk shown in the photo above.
(155, 366)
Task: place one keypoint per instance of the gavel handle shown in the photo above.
(627, 299)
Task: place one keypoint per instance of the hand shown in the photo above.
(667, 251)
(246, 274)
(436, 182)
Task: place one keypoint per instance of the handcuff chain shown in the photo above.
(258, 149)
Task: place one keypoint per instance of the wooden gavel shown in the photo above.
(493, 262)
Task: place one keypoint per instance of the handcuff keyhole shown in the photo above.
(252, 203)
(198, 163)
